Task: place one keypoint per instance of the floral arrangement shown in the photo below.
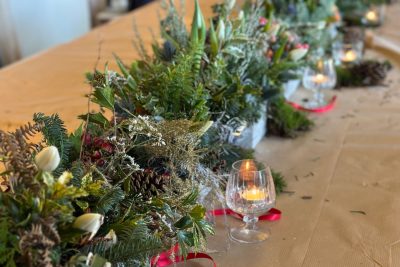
(354, 12)
(313, 21)
(110, 193)
(128, 183)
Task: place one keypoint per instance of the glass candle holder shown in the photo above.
(250, 192)
(374, 16)
(347, 53)
(319, 75)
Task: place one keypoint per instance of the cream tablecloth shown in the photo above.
(349, 162)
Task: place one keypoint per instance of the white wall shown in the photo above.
(40, 24)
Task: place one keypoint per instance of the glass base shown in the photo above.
(318, 100)
(248, 236)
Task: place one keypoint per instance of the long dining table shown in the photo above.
(342, 203)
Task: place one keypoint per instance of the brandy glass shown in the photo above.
(250, 192)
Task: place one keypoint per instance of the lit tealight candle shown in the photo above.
(319, 78)
(349, 56)
(371, 16)
(254, 194)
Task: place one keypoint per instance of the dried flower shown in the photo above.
(48, 159)
(89, 222)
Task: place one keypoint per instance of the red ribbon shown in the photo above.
(164, 259)
(272, 215)
(325, 108)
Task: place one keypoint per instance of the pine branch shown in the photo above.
(285, 121)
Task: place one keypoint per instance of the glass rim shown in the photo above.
(257, 163)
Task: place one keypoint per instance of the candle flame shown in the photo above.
(247, 169)
(371, 16)
(349, 56)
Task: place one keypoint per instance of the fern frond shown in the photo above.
(55, 134)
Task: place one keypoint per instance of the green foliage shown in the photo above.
(8, 241)
(110, 200)
(279, 181)
(169, 91)
(135, 245)
(302, 11)
(33, 220)
(284, 120)
(55, 134)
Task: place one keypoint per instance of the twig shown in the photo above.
(100, 43)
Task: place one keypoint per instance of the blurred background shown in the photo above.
(28, 27)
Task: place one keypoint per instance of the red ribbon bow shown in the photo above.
(326, 108)
(164, 259)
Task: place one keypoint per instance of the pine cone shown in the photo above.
(371, 72)
(148, 183)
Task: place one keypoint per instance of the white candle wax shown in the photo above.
(319, 78)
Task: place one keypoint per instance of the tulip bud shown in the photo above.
(213, 39)
(240, 15)
(298, 53)
(112, 237)
(262, 21)
(48, 159)
(221, 31)
(89, 222)
(273, 31)
(230, 4)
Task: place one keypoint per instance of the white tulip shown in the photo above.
(273, 31)
(112, 237)
(298, 53)
(48, 159)
(241, 15)
(89, 222)
(221, 30)
(230, 4)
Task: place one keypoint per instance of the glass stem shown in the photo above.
(250, 221)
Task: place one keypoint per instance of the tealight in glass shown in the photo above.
(347, 53)
(374, 16)
(319, 75)
(250, 192)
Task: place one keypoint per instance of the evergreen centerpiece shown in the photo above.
(132, 187)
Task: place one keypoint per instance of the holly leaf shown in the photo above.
(198, 212)
(104, 97)
(96, 118)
